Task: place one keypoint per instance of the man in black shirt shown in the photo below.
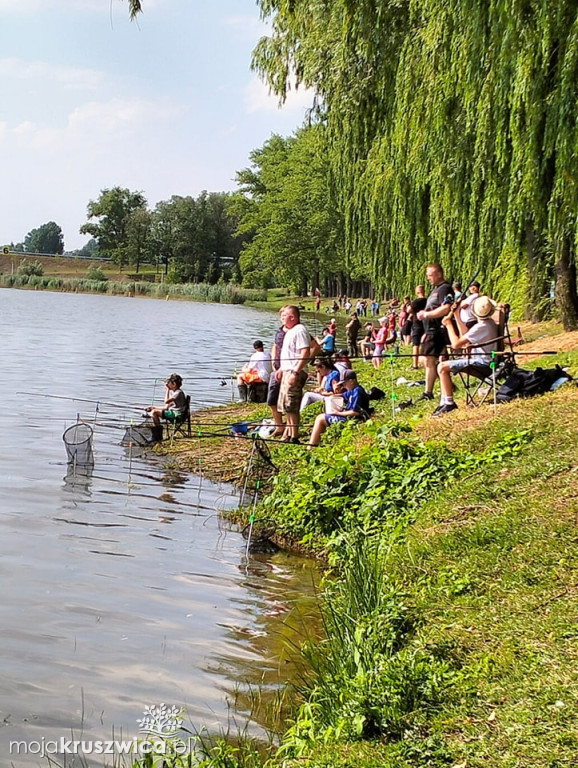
(434, 340)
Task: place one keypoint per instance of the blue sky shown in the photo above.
(88, 100)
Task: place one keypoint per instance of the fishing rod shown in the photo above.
(84, 400)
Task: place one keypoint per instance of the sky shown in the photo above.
(166, 105)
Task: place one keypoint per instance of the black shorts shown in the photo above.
(433, 344)
(273, 390)
(416, 338)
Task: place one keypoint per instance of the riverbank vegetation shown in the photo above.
(223, 293)
(449, 609)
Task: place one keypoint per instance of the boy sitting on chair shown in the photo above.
(174, 406)
(355, 403)
(480, 341)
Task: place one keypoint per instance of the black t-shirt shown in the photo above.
(435, 300)
(417, 325)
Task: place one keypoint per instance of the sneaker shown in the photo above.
(438, 409)
(424, 397)
(448, 408)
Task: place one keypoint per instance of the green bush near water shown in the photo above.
(30, 268)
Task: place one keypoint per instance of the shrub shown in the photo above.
(95, 273)
(30, 268)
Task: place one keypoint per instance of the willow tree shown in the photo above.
(452, 131)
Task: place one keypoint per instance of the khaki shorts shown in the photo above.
(290, 396)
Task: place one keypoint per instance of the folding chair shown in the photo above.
(182, 425)
(486, 377)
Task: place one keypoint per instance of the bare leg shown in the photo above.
(319, 427)
(278, 419)
(431, 372)
(293, 425)
(446, 387)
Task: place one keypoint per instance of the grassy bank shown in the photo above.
(450, 633)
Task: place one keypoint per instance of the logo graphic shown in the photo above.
(160, 720)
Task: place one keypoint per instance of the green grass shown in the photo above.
(449, 618)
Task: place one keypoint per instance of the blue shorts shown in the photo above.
(333, 418)
(464, 362)
(170, 415)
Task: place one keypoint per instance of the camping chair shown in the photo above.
(181, 425)
(480, 380)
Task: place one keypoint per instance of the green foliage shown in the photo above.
(451, 134)
(95, 273)
(29, 268)
(366, 677)
(340, 490)
(109, 220)
(287, 210)
(46, 239)
(194, 238)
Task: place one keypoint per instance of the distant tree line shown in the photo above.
(188, 239)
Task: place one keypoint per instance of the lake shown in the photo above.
(123, 588)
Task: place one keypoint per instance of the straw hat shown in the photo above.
(383, 319)
(483, 307)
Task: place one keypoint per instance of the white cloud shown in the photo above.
(248, 26)
(74, 78)
(258, 98)
(120, 116)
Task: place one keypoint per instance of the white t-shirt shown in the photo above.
(482, 332)
(295, 341)
(342, 368)
(260, 362)
(466, 312)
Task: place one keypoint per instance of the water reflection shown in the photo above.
(78, 479)
(126, 587)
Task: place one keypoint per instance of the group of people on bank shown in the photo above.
(446, 319)
(285, 371)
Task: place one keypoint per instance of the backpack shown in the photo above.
(375, 393)
(522, 383)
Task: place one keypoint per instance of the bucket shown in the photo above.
(78, 442)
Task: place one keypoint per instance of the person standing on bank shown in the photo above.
(292, 374)
(274, 383)
(417, 329)
(434, 340)
(352, 327)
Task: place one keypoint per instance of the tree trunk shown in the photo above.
(565, 287)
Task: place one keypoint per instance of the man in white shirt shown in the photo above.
(256, 371)
(292, 372)
(480, 341)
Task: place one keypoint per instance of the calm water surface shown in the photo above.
(123, 588)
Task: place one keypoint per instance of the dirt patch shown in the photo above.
(213, 449)
(561, 342)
